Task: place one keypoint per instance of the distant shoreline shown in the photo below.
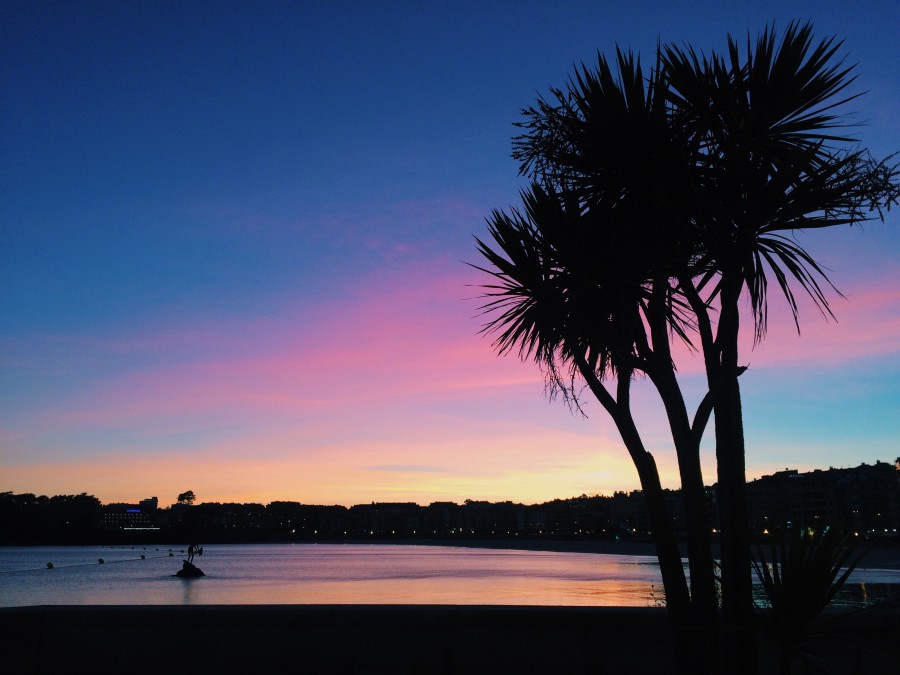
(637, 548)
(877, 557)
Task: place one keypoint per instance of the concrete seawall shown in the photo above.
(360, 639)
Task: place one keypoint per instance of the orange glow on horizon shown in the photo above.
(426, 412)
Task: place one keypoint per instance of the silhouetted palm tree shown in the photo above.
(770, 156)
(657, 204)
(584, 286)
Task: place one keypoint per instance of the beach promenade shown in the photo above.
(374, 639)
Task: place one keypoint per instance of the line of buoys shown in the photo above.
(100, 561)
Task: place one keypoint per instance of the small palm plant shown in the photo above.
(803, 574)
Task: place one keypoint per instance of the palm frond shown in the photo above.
(771, 157)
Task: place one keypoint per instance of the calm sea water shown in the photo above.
(337, 574)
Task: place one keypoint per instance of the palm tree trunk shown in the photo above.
(661, 371)
(691, 645)
(677, 597)
(704, 603)
(693, 493)
(737, 596)
(699, 543)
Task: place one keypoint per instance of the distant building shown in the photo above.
(149, 505)
(130, 516)
(866, 497)
(387, 518)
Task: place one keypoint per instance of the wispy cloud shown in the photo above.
(867, 326)
(408, 468)
(393, 371)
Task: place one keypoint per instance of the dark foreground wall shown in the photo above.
(361, 640)
(370, 640)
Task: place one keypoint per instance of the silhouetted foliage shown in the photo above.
(658, 200)
(801, 575)
(69, 519)
(187, 497)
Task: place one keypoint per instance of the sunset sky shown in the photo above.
(233, 240)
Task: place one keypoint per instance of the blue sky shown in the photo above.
(234, 233)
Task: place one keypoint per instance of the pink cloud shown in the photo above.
(530, 465)
(867, 326)
(399, 341)
(393, 373)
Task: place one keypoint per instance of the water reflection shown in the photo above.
(345, 574)
(187, 586)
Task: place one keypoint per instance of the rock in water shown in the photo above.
(189, 570)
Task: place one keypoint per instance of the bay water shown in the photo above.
(339, 574)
